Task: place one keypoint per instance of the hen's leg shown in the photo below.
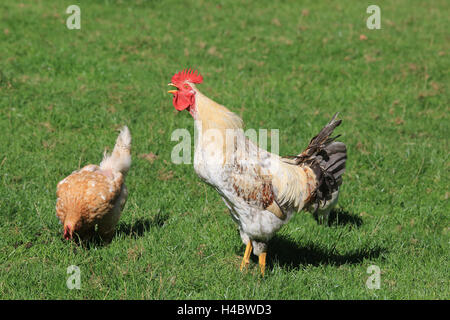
(262, 262)
(246, 258)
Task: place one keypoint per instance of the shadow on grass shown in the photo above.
(136, 229)
(339, 217)
(139, 227)
(289, 254)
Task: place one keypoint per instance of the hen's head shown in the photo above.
(72, 226)
(184, 96)
(68, 231)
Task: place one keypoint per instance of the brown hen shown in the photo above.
(91, 200)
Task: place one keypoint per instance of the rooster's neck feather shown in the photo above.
(213, 115)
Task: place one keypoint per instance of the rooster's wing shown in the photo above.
(266, 182)
(250, 178)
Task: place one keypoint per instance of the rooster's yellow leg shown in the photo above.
(262, 262)
(246, 258)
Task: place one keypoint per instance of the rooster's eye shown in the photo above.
(186, 86)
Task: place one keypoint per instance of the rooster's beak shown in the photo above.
(171, 91)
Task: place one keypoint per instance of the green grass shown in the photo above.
(287, 66)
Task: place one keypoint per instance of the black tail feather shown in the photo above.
(326, 157)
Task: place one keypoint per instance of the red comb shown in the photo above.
(187, 75)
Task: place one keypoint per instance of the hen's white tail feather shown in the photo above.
(120, 158)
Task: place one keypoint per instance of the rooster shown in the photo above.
(262, 190)
(91, 200)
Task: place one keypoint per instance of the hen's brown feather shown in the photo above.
(86, 196)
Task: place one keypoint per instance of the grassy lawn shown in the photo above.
(289, 66)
